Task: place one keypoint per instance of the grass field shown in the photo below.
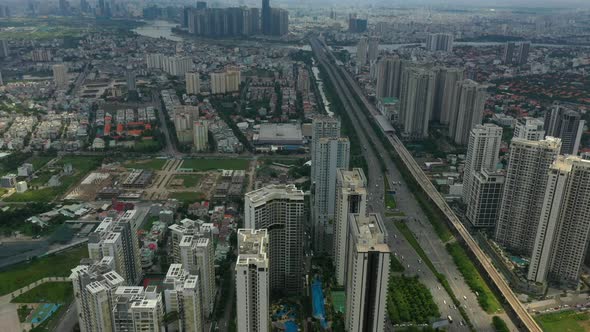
(58, 265)
(339, 301)
(189, 180)
(565, 321)
(212, 164)
(39, 161)
(187, 196)
(152, 164)
(49, 292)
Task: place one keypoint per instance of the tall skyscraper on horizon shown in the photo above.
(508, 55)
(4, 48)
(367, 274)
(266, 18)
(566, 124)
(482, 154)
(351, 197)
(564, 228)
(524, 189)
(417, 101)
(252, 281)
(280, 209)
(467, 108)
(373, 51)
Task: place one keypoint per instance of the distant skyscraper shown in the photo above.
(362, 51)
(439, 42)
(4, 49)
(373, 52)
(389, 74)
(508, 56)
(482, 154)
(356, 25)
(564, 228)
(131, 83)
(565, 123)
(193, 83)
(280, 22)
(530, 129)
(368, 274)
(523, 52)
(252, 281)
(218, 83)
(266, 17)
(351, 197)
(447, 79)
(524, 189)
(60, 76)
(201, 4)
(201, 135)
(1, 81)
(466, 109)
(417, 101)
(232, 80)
(280, 209)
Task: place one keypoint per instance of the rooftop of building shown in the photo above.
(277, 191)
(370, 233)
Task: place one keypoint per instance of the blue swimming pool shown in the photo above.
(319, 310)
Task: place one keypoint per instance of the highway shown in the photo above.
(344, 80)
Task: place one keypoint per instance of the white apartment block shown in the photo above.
(524, 190)
(530, 129)
(60, 76)
(368, 274)
(351, 197)
(252, 281)
(182, 294)
(201, 135)
(281, 210)
(193, 83)
(564, 228)
(482, 153)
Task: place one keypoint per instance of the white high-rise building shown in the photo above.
(530, 129)
(439, 42)
(351, 197)
(94, 286)
(182, 294)
(138, 309)
(564, 228)
(524, 189)
(197, 256)
(368, 274)
(60, 76)
(331, 154)
(252, 281)
(154, 61)
(118, 239)
(177, 66)
(362, 52)
(482, 153)
(280, 209)
(323, 177)
(466, 111)
(201, 135)
(417, 101)
(389, 74)
(218, 83)
(232, 80)
(193, 83)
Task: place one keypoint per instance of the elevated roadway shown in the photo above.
(522, 318)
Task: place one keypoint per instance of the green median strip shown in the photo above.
(409, 236)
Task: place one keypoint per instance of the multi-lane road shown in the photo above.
(425, 234)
